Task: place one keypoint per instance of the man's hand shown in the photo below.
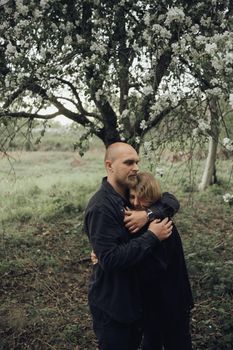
(161, 229)
(94, 258)
(135, 219)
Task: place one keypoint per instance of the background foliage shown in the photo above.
(118, 68)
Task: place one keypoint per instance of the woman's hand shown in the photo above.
(94, 258)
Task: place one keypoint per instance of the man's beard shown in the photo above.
(132, 181)
(128, 183)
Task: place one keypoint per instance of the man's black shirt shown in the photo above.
(114, 285)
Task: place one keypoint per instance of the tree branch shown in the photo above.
(80, 106)
(15, 94)
(28, 115)
(78, 118)
(67, 99)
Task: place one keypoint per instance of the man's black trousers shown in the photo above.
(112, 335)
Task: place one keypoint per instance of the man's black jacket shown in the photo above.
(114, 285)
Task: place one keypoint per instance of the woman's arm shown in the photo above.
(167, 206)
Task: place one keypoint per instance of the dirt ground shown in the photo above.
(44, 281)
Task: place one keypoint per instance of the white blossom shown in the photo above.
(217, 63)
(175, 48)
(64, 9)
(94, 57)
(228, 58)
(10, 49)
(147, 146)
(143, 125)
(54, 27)
(21, 8)
(195, 132)
(3, 26)
(200, 39)
(137, 139)
(7, 83)
(16, 15)
(50, 94)
(100, 48)
(216, 91)
(159, 172)
(44, 3)
(205, 21)
(148, 90)
(69, 26)
(210, 48)
(147, 37)
(214, 81)
(43, 53)
(175, 14)
(62, 26)
(228, 144)
(8, 10)
(164, 33)
(37, 13)
(120, 127)
(231, 100)
(125, 113)
(161, 30)
(195, 28)
(136, 47)
(98, 94)
(80, 40)
(130, 33)
(203, 125)
(146, 19)
(155, 110)
(18, 30)
(228, 198)
(68, 40)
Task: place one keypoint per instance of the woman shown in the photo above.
(166, 292)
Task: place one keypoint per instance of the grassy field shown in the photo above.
(44, 252)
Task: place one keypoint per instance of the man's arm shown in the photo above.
(167, 206)
(105, 236)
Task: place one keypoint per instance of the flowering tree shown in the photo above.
(119, 67)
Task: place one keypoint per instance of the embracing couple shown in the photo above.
(139, 292)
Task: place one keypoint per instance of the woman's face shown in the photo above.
(135, 202)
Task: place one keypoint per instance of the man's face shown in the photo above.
(125, 168)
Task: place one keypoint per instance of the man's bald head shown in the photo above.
(116, 149)
(121, 163)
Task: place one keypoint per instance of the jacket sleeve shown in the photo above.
(108, 241)
(167, 206)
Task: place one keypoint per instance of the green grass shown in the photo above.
(41, 185)
(44, 254)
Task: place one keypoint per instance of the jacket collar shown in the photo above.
(107, 187)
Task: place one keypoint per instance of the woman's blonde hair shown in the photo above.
(147, 187)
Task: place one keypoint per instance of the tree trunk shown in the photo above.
(209, 175)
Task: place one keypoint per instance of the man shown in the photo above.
(114, 295)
